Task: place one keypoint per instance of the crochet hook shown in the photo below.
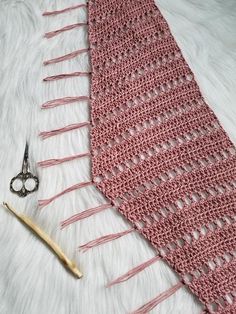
(70, 265)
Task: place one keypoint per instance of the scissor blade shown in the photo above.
(25, 165)
(26, 153)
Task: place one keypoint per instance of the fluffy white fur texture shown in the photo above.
(32, 281)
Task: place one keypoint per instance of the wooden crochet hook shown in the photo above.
(70, 265)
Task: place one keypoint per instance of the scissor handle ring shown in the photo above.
(23, 177)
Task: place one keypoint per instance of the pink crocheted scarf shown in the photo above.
(158, 152)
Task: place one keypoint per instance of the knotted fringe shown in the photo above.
(43, 203)
(154, 302)
(63, 101)
(65, 10)
(65, 76)
(134, 271)
(46, 134)
(63, 29)
(66, 57)
(53, 162)
(104, 239)
(85, 214)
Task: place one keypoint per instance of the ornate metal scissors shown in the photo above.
(23, 176)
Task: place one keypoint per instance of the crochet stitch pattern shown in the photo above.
(158, 152)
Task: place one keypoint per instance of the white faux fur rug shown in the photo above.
(32, 281)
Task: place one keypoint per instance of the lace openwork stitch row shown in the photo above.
(132, 72)
(113, 13)
(150, 137)
(116, 56)
(147, 108)
(149, 117)
(161, 150)
(137, 194)
(153, 92)
(133, 205)
(102, 45)
(173, 213)
(189, 240)
(175, 76)
(122, 26)
(165, 175)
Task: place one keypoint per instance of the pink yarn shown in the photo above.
(154, 302)
(85, 214)
(158, 150)
(65, 10)
(104, 239)
(66, 56)
(65, 76)
(43, 203)
(63, 29)
(63, 101)
(57, 161)
(46, 134)
(134, 271)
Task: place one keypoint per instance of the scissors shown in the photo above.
(23, 176)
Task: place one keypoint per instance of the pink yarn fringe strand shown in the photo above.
(49, 13)
(46, 134)
(65, 76)
(104, 239)
(134, 271)
(43, 203)
(154, 302)
(66, 56)
(63, 29)
(54, 162)
(63, 101)
(84, 214)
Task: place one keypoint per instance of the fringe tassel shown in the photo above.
(85, 214)
(65, 10)
(66, 57)
(63, 101)
(134, 271)
(65, 76)
(153, 303)
(43, 203)
(46, 134)
(63, 29)
(54, 162)
(104, 239)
